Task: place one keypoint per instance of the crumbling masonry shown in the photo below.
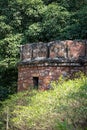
(42, 62)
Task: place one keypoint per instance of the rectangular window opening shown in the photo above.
(35, 82)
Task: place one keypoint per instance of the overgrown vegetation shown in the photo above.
(25, 21)
(62, 108)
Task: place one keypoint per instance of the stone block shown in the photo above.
(26, 52)
(39, 51)
(58, 49)
(76, 49)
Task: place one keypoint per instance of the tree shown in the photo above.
(77, 28)
(24, 21)
(54, 20)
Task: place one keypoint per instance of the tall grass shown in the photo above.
(62, 108)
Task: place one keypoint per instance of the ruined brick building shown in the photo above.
(42, 62)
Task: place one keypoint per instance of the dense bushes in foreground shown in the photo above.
(63, 108)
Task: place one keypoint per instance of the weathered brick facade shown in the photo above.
(41, 63)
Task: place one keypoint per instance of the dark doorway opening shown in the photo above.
(35, 82)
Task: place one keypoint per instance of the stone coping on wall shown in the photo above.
(55, 62)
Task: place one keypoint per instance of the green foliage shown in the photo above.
(8, 82)
(24, 21)
(77, 27)
(33, 32)
(54, 20)
(9, 47)
(62, 108)
(4, 28)
(9, 50)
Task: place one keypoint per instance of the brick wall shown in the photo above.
(26, 74)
